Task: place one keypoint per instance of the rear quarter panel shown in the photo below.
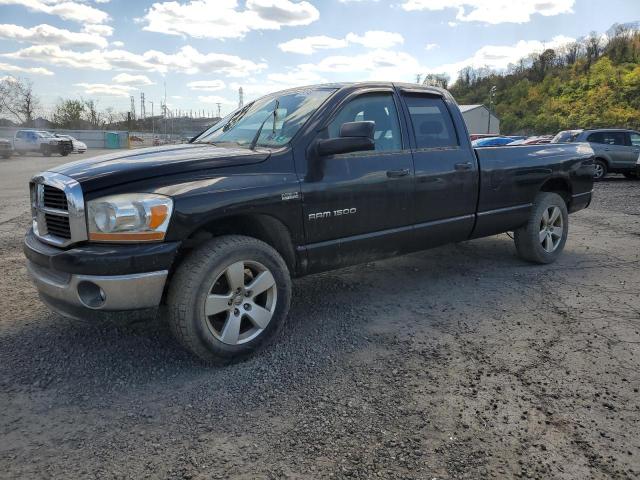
(511, 177)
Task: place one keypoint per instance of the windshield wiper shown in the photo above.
(254, 142)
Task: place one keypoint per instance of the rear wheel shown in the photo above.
(543, 237)
(46, 151)
(229, 298)
(599, 169)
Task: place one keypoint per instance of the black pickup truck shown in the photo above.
(297, 182)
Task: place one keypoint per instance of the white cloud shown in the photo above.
(118, 44)
(102, 30)
(5, 67)
(309, 45)
(65, 9)
(378, 64)
(224, 19)
(105, 89)
(498, 57)
(206, 85)
(370, 39)
(431, 46)
(376, 39)
(131, 80)
(494, 11)
(215, 99)
(186, 60)
(48, 35)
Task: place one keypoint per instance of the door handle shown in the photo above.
(463, 166)
(398, 173)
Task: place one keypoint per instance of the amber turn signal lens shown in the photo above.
(158, 215)
(126, 237)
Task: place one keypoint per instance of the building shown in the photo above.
(477, 119)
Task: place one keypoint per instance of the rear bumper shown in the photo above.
(92, 281)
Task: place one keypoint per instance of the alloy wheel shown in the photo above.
(241, 302)
(551, 229)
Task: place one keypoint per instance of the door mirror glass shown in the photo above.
(354, 137)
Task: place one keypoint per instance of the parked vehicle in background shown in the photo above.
(6, 149)
(297, 182)
(26, 141)
(78, 146)
(538, 140)
(616, 150)
(477, 136)
(492, 142)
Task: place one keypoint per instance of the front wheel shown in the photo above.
(599, 170)
(229, 298)
(543, 237)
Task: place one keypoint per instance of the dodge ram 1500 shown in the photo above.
(297, 182)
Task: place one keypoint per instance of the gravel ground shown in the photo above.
(459, 362)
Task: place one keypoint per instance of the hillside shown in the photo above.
(587, 84)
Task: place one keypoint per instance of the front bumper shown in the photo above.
(93, 281)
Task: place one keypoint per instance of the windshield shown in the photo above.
(279, 125)
(567, 136)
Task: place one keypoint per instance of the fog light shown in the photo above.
(91, 294)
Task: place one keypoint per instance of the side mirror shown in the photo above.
(354, 137)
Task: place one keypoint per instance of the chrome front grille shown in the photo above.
(57, 207)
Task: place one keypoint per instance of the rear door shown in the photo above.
(633, 141)
(446, 170)
(616, 147)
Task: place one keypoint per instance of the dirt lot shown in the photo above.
(459, 362)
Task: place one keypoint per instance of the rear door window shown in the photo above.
(635, 139)
(431, 121)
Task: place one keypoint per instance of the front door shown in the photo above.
(357, 206)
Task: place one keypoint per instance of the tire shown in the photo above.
(600, 169)
(208, 272)
(64, 153)
(46, 151)
(532, 239)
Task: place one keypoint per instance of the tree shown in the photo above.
(92, 115)
(436, 80)
(17, 99)
(68, 113)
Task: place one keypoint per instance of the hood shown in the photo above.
(124, 166)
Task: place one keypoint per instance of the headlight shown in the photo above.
(137, 217)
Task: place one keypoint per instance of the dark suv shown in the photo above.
(616, 150)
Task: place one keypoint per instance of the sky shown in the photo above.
(204, 50)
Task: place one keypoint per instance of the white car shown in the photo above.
(78, 146)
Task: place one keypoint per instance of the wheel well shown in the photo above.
(263, 227)
(603, 160)
(559, 186)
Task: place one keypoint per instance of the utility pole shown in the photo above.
(219, 105)
(143, 112)
(153, 121)
(240, 97)
(492, 94)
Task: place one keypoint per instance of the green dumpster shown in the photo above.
(111, 140)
